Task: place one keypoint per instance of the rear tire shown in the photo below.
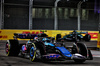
(12, 48)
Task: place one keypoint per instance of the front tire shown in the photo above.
(35, 53)
(87, 37)
(58, 36)
(82, 49)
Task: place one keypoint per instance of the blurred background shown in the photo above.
(50, 14)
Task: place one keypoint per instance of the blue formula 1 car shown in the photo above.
(41, 47)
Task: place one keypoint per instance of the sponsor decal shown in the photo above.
(94, 35)
(43, 30)
(0, 36)
(98, 43)
(27, 32)
(0, 31)
(5, 36)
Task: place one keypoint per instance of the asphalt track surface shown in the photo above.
(19, 61)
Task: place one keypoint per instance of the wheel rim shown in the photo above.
(38, 54)
(7, 49)
(32, 52)
(35, 54)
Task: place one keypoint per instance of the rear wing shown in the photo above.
(83, 32)
(80, 32)
(29, 36)
(24, 36)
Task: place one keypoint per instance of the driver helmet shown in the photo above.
(74, 32)
(36, 38)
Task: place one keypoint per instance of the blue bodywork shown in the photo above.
(46, 43)
(63, 50)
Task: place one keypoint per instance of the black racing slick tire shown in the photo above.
(87, 37)
(58, 36)
(90, 55)
(82, 49)
(12, 48)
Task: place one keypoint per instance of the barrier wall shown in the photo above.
(8, 34)
(98, 42)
